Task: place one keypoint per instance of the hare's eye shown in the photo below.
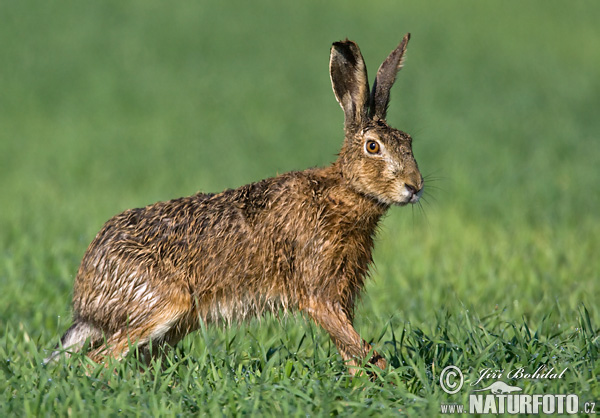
(372, 147)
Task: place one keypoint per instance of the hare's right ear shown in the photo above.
(350, 83)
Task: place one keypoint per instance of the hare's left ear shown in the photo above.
(386, 75)
(350, 83)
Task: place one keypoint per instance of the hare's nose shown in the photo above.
(414, 184)
(414, 192)
(414, 189)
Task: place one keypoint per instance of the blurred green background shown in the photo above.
(110, 105)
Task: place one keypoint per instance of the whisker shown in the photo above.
(434, 173)
(428, 195)
(424, 200)
(422, 209)
(433, 187)
(433, 178)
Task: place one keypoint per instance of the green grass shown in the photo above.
(115, 105)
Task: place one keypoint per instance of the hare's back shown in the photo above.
(184, 236)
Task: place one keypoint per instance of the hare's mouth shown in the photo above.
(408, 195)
(416, 196)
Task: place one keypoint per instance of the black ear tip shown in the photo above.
(346, 50)
(346, 43)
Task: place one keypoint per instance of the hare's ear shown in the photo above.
(386, 75)
(349, 81)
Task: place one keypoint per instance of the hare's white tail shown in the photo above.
(74, 339)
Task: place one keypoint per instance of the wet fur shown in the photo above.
(298, 241)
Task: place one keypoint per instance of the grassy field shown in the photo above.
(110, 105)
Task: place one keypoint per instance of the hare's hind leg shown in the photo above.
(75, 338)
(162, 328)
(351, 346)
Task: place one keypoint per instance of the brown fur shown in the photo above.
(299, 241)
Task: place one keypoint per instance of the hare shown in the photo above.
(298, 241)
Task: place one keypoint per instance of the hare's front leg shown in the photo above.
(351, 346)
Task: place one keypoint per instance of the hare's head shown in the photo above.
(376, 160)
